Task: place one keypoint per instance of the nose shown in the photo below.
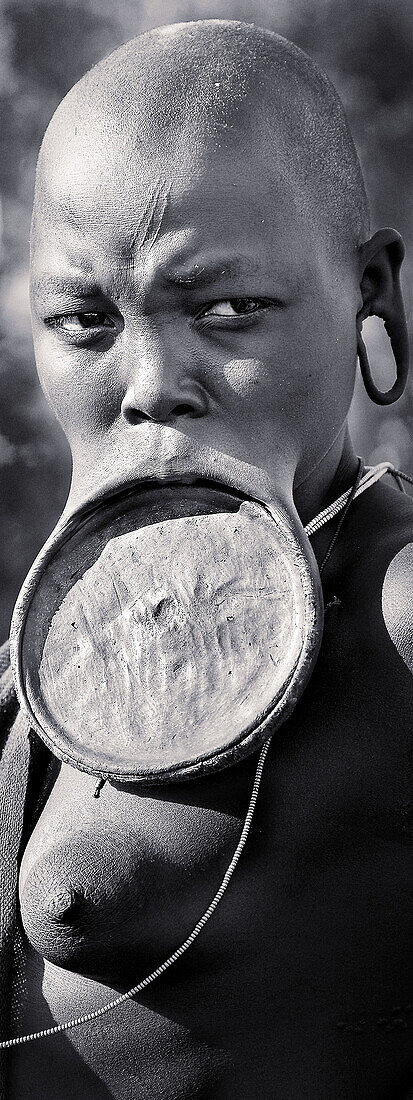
(161, 389)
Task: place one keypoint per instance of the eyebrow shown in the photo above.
(198, 277)
(64, 284)
(204, 276)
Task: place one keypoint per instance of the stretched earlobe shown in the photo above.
(380, 397)
(382, 257)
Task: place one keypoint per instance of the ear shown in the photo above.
(380, 262)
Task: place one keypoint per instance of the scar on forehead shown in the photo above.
(150, 223)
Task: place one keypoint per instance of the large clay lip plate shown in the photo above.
(282, 704)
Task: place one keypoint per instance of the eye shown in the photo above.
(76, 325)
(235, 307)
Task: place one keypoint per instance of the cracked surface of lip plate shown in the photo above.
(166, 631)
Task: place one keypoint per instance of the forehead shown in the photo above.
(111, 202)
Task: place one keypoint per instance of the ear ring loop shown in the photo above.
(378, 396)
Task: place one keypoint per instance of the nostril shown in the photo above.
(184, 410)
(135, 416)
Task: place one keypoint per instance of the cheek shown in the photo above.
(84, 391)
(322, 360)
(274, 387)
(298, 389)
(247, 378)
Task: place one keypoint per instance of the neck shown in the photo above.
(328, 479)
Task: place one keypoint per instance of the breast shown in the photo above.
(109, 885)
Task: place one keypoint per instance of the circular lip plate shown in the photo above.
(250, 739)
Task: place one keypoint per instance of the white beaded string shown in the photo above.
(89, 1016)
(371, 475)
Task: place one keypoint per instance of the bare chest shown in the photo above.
(307, 952)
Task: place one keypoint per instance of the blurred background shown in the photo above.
(366, 47)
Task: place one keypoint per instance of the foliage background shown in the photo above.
(45, 46)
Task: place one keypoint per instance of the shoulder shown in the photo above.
(383, 517)
(397, 602)
(379, 567)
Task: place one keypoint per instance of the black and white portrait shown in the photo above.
(206, 471)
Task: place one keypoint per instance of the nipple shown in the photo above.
(64, 904)
(54, 911)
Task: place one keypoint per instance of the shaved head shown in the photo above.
(193, 90)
